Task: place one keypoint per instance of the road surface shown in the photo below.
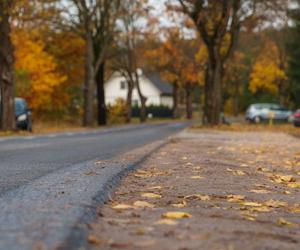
(48, 182)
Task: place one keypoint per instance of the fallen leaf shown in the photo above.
(283, 222)
(260, 191)
(248, 216)
(143, 204)
(294, 185)
(155, 187)
(122, 206)
(251, 204)
(180, 205)
(198, 197)
(92, 239)
(235, 198)
(176, 215)
(197, 177)
(275, 203)
(151, 195)
(167, 222)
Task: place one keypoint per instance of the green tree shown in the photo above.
(294, 55)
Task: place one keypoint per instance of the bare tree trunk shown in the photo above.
(6, 70)
(129, 101)
(100, 80)
(88, 119)
(236, 98)
(143, 99)
(189, 101)
(213, 91)
(175, 100)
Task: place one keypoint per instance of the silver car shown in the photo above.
(265, 111)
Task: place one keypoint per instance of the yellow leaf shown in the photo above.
(260, 191)
(167, 222)
(143, 204)
(249, 216)
(235, 198)
(151, 195)
(284, 222)
(196, 177)
(155, 187)
(294, 185)
(122, 206)
(176, 215)
(275, 203)
(251, 204)
(180, 205)
(198, 196)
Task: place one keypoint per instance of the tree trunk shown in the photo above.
(175, 110)
(189, 101)
(213, 92)
(6, 70)
(88, 118)
(236, 98)
(129, 101)
(100, 80)
(143, 99)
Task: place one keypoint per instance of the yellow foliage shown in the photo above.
(266, 72)
(40, 69)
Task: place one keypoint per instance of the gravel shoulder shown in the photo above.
(208, 190)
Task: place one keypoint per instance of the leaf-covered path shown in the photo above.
(208, 190)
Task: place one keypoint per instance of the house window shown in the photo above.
(123, 85)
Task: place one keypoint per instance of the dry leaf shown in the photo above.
(167, 222)
(176, 215)
(294, 185)
(197, 177)
(151, 195)
(122, 206)
(251, 204)
(283, 222)
(198, 197)
(235, 198)
(92, 239)
(180, 205)
(260, 191)
(143, 204)
(275, 203)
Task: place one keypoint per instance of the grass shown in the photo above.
(57, 126)
(244, 127)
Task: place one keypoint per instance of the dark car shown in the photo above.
(297, 118)
(23, 115)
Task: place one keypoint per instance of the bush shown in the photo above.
(117, 112)
(156, 111)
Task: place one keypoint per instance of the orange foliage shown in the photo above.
(37, 71)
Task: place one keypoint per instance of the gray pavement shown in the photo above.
(48, 182)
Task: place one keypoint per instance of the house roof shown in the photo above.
(164, 87)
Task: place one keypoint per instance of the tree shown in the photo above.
(181, 61)
(293, 47)
(6, 67)
(127, 62)
(219, 24)
(269, 71)
(37, 76)
(96, 21)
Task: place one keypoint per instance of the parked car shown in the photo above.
(23, 115)
(265, 111)
(296, 118)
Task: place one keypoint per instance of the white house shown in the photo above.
(157, 91)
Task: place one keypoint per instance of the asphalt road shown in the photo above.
(24, 159)
(50, 184)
